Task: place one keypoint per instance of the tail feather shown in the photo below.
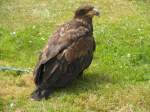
(39, 94)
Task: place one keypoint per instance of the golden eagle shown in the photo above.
(67, 54)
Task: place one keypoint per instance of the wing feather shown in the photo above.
(60, 41)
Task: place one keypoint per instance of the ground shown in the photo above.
(118, 79)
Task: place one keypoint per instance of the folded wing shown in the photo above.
(68, 53)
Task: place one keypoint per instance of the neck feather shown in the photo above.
(86, 22)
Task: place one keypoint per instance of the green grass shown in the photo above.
(118, 79)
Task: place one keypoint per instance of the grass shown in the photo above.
(118, 79)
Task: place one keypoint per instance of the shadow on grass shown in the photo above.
(88, 82)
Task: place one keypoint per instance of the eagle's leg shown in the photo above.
(80, 74)
(47, 92)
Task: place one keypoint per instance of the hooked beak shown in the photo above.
(97, 13)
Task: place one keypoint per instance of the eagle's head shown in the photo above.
(87, 11)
